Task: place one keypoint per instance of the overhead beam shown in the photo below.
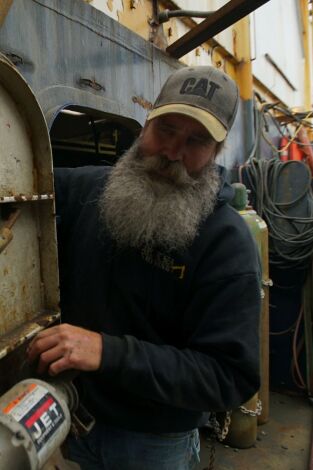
(221, 19)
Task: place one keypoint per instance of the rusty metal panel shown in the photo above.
(16, 155)
(20, 296)
(28, 255)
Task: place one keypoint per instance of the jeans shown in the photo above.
(109, 448)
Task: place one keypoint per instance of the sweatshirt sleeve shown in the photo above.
(219, 367)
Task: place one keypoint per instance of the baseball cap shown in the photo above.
(203, 93)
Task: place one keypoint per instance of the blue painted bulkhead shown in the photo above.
(59, 46)
(61, 43)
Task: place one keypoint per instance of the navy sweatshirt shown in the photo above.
(180, 331)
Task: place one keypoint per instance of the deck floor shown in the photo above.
(283, 443)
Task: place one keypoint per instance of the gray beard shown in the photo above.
(141, 208)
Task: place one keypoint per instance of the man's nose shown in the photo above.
(174, 149)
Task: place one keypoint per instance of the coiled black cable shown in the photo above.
(291, 236)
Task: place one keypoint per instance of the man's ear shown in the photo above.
(145, 126)
(219, 148)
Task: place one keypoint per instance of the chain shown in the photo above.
(217, 432)
(257, 411)
(267, 283)
(212, 456)
(225, 429)
(221, 432)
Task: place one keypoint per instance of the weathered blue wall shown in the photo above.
(60, 42)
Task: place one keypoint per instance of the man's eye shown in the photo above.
(166, 130)
(193, 140)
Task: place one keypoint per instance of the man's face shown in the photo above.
(178, 138)
(150, 200)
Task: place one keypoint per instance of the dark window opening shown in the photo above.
(82, 136)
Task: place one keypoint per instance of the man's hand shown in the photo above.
(65, 347)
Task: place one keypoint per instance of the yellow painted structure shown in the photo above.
(234, 59)
(305, 23)
(242, 52)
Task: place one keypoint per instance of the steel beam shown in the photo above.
(225, 16)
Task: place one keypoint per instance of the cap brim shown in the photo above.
(213, 125)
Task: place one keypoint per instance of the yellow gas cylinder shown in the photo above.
(242, 431)
(243, 428)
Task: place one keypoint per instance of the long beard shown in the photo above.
(153, 202)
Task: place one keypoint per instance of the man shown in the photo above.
(159, 285)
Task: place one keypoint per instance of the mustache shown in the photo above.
(162, 168)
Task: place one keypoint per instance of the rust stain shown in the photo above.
(110, 5)
(14, 365)
(172, 31)
(5, 271)
(10, 341)
(235, 45)
(4, 9)
(20, 197)
(24, 197)
(35, 179)
(8, 193)
(142, 102)
(9, 319)
(135, 16)
(45, 321)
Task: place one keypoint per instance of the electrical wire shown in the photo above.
(296, 350)
(284, 332)
(265, 111)
(291, 237)
(257, 131)
(276, 149)
(285, 133)
(286, 249)
(262, 114)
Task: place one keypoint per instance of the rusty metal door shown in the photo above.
(29, 296)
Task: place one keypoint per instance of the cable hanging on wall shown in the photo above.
(283, 198)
